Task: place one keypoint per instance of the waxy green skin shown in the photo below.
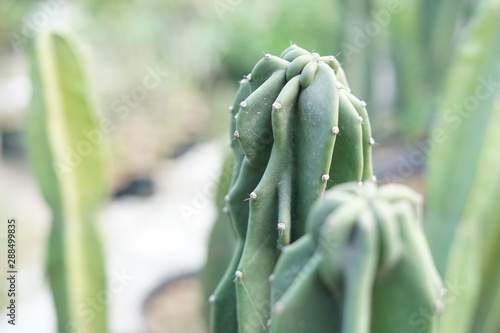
(363, 266)
(296, 130)
(62, 112)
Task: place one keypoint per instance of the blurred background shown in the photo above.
(168, 142)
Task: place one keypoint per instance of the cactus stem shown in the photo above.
(335, 130)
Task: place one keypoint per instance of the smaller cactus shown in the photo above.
(462, 219)
(363, 266)
(67, 152)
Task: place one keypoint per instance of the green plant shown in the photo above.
(363, 266)
(462, 215)
(68, 159)
(222, 241)
(297, 130)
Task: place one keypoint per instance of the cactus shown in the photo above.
(296, 131)
(221, 242)
(67, 154)
(363, 266)
(463, 216)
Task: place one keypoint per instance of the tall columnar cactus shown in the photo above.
(296, 130)
(363, 266)
(463, 215)
(67, 155)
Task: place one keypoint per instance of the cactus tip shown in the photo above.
(276, 106)
(271, 278)
(253, 195)
(315, 56)
(439, 306)
(374, 178)
(281, 226)
(360, 184)
(360, 119)
(238, 274)
(372, 141)
(227, 199)
(279, 308)
(363, 104)
(335, 130)
(267, 56)
(236, 134)
(225, 210)
(325, 177)
(243, 104)
(211, 299)
(249, 77)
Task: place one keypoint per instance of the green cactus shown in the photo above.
(221, 242)
(463, 215)
(67, 155)
(296, 131)
(364, 266)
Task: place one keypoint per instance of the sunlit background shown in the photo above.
(168, 140)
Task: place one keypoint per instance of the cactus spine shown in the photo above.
(60, 122)
(363, 266)
(296, 131)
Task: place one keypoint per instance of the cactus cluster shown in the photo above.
(296, 131)
(363, 266)
(67, 154)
